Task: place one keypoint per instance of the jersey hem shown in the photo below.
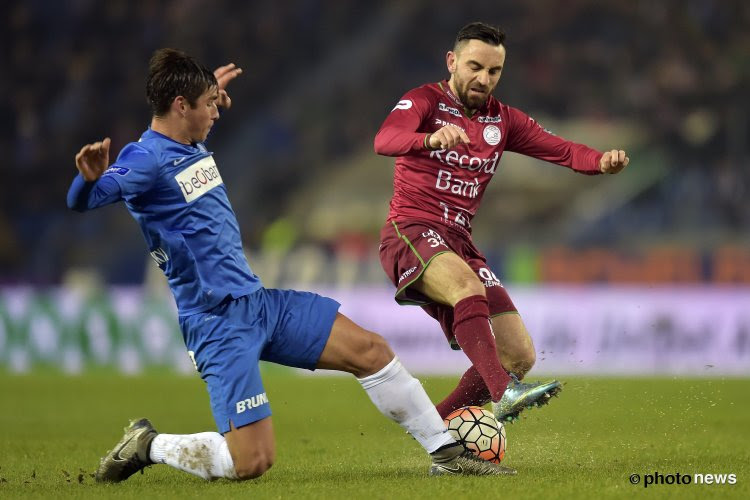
(233, 295)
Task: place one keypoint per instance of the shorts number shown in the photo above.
(487, 275)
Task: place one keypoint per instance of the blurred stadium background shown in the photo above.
(647, 272)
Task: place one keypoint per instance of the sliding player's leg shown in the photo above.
(225, 344)
(399, 396)
(318, 336)
(311, 334)
(208, 455)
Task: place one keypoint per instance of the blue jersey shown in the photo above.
(176, 194)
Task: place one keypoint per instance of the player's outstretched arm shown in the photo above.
(93, 159)
(224, 75)
(613, 161)
(89, 190)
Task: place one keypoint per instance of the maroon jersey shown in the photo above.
(447, 186)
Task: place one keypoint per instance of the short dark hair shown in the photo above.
(481, 31)
(173, 73)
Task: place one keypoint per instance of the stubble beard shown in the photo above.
(471, 104)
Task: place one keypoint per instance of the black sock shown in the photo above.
(446, 447)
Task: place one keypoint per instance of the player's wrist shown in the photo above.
(427, 145)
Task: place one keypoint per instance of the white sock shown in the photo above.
(204, 455)
(401, 397)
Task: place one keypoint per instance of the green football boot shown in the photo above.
(128, 456)
(520, 395)
(458, 461)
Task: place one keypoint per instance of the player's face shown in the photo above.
(475, 69)
(201, 118)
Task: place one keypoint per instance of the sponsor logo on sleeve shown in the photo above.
(198, 179)
(403, 104)
(114, 170)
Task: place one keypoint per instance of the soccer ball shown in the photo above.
(479, 431)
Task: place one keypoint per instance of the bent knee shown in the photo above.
(467, 286)
(376, 355)
(253, 467)
(522, 362)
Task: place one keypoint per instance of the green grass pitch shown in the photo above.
(332, 443)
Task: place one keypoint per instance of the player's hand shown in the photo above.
(224, 75)
(447, 137)
(93, 159)
(613, 161)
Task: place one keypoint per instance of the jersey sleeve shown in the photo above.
(133, 173)
(399, 136)
(84, 195)
(527, 137)
(135, 170)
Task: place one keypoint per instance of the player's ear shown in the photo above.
(450, 61)
(179, 105)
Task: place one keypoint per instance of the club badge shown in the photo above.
(492, 135)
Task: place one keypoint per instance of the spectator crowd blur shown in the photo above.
(320, 77)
